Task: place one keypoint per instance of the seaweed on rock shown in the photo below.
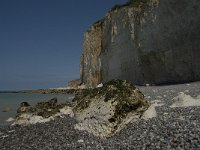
(103, 110)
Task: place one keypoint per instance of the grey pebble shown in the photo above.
(166, 131)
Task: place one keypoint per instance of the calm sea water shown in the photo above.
(11, 101)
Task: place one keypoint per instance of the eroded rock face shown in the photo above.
(74, 84)
(144, 42)
(41, 112)
(105, 110)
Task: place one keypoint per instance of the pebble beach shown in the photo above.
(170, 128)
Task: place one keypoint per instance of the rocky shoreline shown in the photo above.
(171, 128)
(102, 111)
(46, 91)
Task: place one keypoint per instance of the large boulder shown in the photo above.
(105, 110)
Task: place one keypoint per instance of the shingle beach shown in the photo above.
(172, 128)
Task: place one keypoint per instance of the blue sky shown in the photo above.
(41, 40)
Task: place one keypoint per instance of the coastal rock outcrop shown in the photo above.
(144, 42)
(106, 110)
(41, 112)
(73, 84)
(102, 111)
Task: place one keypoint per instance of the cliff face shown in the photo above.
(148, 41)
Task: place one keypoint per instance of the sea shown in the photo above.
(10, 102)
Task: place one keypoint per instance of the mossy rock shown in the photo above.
(43, 109)
(103, 110)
